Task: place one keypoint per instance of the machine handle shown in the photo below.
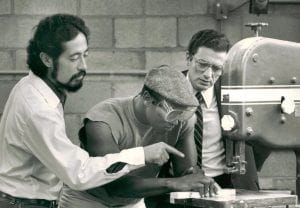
(287, 105)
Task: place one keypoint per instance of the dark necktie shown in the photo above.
(198, 132)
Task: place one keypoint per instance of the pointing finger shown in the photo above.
(173, 151)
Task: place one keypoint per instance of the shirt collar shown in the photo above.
(48, 94)
(208, 96)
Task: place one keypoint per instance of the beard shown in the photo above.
(73, 84)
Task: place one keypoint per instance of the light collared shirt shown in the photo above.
(36, 156)
(213, 152)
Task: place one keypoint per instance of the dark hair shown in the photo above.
(207, 38)
(49, 36)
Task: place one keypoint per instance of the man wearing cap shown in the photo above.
(162, 112)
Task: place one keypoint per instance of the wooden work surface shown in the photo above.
(242, 199)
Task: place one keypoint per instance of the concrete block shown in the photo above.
(43, 7)
(101, 32)
(13, 77)
(277, 183)
(266, 183)
(148, 32)
(112, 7)
(174, 59)
(279, 163)
(130, 33)
(232, 28)
(175, 7)
(188, 26)
(21, 58)
(5, 6)
(286, 9)
(284, 27)
(6, 61)
(73, 124)
(161, 32)
(5, 88)
(233, 6)
(16, 31)
(285, 183)
(90, 94)
(127, 88)
(115, 61)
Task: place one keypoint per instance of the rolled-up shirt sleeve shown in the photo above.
(45, 136)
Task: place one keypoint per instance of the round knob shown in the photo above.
(255, 57)
(287, 105)
(249, 111)
(227, 122)
(249, 131)
(293, 80)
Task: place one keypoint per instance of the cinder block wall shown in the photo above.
(129, 37)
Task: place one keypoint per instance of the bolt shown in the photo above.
(249, 111)
(249, 131)
(255, 57)
(272, 80)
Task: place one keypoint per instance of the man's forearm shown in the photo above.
(135, 187)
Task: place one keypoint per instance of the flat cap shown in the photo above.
(172, 85)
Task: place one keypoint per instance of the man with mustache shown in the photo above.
(36, 156)
(162, 112)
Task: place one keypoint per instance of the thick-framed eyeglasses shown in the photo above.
(176, 113)
(203, 65)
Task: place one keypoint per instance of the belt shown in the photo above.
(37, 202)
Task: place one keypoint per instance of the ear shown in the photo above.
(188, 62)
(46, 59)
(188, 58)
(148, 100)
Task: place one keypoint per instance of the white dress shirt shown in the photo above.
(213, 152)
(36, 156)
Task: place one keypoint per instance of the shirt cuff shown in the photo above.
(133, 156)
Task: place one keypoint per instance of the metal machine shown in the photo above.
(261, 96)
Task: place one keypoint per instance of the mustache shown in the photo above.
(79, 74)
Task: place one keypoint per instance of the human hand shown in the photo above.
(195, 182)
(192, 170)
(158, 153)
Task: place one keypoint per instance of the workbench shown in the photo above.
(241, 199)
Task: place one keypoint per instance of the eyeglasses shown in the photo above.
(203, 65)
(174, 113)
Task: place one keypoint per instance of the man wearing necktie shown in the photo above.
(206, 55)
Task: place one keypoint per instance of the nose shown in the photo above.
(82, 64)
(208, 73)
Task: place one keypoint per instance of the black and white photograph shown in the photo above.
(149, 103)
